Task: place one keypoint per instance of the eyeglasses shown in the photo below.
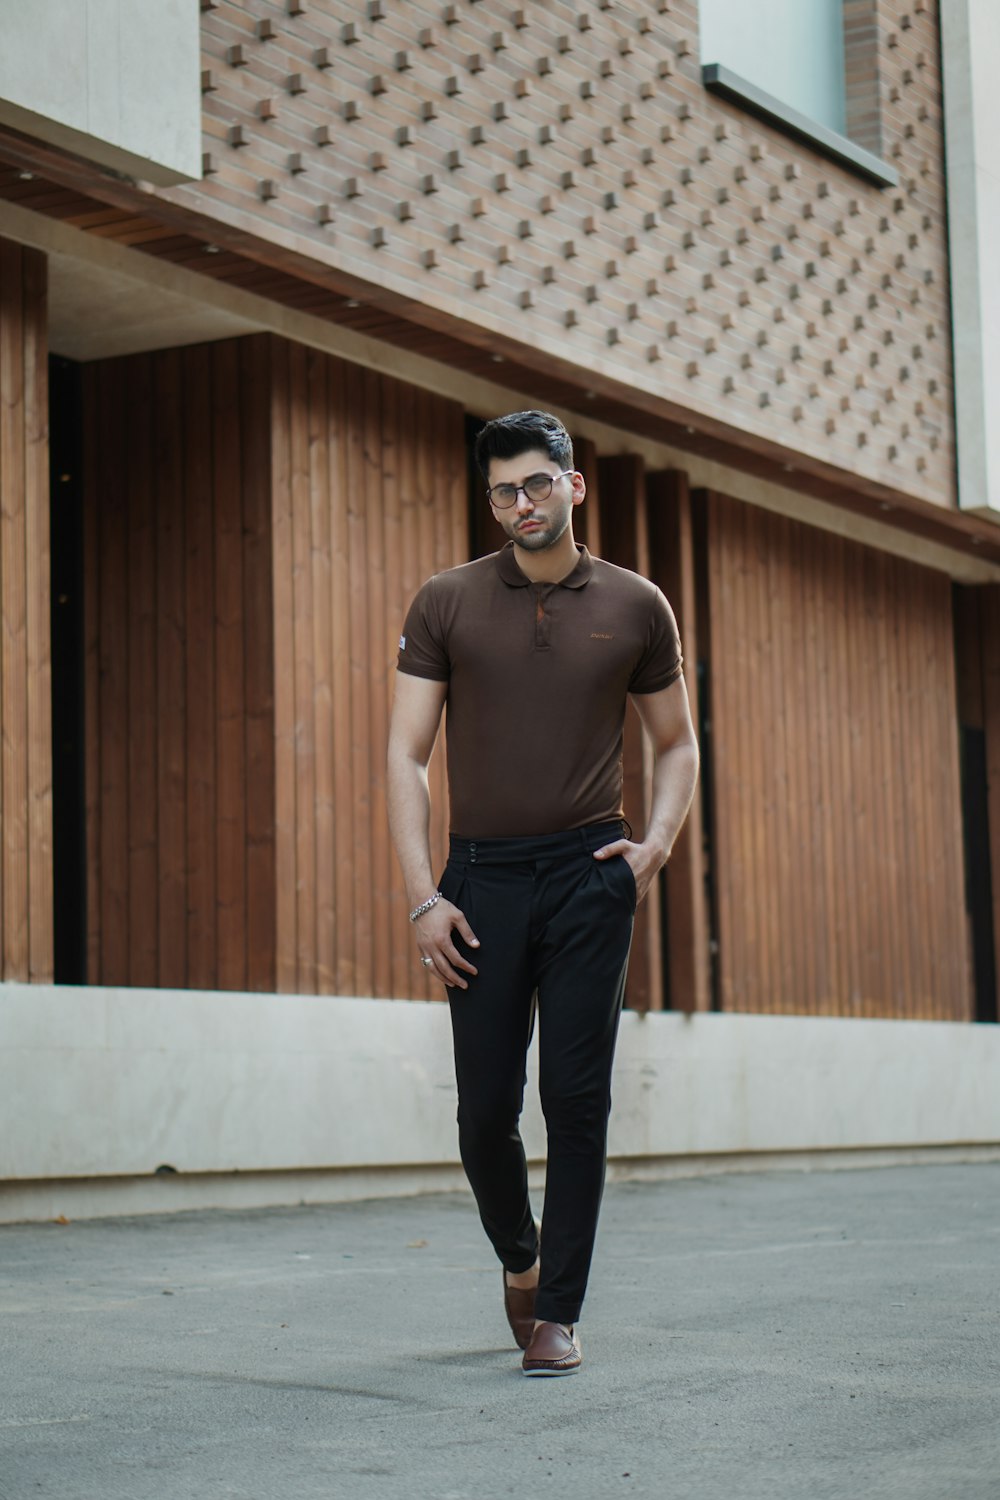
(535, 488)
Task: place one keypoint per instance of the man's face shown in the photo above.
(535, 524)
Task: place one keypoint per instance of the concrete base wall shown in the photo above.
(102, 1087)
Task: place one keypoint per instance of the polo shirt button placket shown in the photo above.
(472, 853)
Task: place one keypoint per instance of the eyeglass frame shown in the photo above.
(521, 489)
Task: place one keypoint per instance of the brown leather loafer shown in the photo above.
(519, 1305)
(552, 1351)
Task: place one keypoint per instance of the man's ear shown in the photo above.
(579, 487)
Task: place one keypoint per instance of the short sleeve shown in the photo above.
(661, 662)
(422, 648)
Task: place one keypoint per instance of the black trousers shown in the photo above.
(550, 920)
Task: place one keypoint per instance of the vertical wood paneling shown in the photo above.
(25, 655)
(321, 561)
(412, 977)
(302, 674)
(259, 663)
(13, 606)
(587, 517)
(671, 562)
(286, 895)
(199, 523)
(344, 872)
(625, 542)
(399, 944)
(380, 662)
(357, 539)
(368, 499)
(113, 509)
(171, 703)
(91, 681)
(137, 395)
(179, 668)
(38, 664)
(837, 810)
(230, 756)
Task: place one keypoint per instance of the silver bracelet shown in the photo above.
(418, 911)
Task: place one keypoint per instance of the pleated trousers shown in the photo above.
(554, 926)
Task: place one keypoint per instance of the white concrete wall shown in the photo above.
(115, 81)
(99, 1083)
(970, 45)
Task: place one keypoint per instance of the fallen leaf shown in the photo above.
(416, 1245)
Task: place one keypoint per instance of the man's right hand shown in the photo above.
(434, 938)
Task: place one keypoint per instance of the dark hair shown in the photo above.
(506, 437)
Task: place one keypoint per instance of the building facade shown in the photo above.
(264, 267)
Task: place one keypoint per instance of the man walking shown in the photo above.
(535, 650)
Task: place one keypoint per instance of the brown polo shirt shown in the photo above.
(538, 675)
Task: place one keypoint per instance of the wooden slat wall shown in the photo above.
(838, 838)
(672, 569)
(369, 493)
(625, 542)
(179, 668)
(587, 517)
(26, 933)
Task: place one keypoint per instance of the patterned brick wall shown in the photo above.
(559, 172)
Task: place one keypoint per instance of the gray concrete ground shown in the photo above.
(814, 1336)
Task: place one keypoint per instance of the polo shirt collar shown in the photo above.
(510, 572)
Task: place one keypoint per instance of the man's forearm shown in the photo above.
(675, 776)
(409, 806)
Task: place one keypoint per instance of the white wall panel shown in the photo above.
(115, 81)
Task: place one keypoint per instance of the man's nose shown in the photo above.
(523, 503)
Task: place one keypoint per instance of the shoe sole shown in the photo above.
(571, 1370)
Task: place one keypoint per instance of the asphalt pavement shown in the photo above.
(821, 1335)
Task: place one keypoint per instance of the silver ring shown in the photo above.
(428, 963)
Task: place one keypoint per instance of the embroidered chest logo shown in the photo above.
(599, 635)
